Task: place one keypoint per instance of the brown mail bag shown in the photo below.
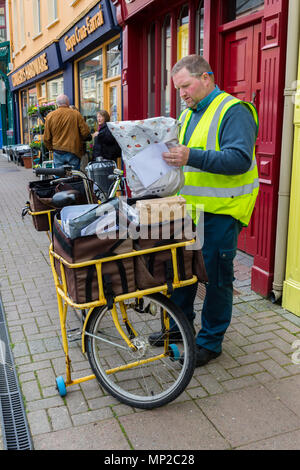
(82, 283)
(156, 268)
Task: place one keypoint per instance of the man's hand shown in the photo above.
(177, 156)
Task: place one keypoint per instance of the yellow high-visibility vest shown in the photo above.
(233, 195)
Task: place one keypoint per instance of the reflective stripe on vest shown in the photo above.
(234, 195)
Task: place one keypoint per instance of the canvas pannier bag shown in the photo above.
(156, 268)
(82, 283)
(40, 198)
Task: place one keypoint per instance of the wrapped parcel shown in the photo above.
(142, 143)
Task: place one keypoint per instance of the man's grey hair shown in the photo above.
(62, 100)
(195, 64)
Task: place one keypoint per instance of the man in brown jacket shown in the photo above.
(65, 130)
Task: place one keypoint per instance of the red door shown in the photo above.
(242, 79)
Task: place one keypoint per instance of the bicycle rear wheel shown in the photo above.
(147, 377)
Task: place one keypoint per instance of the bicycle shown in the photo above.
(115, 337)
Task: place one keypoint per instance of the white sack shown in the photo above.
(135, 138)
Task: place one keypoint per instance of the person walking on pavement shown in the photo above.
(65, 130)
(217, 150)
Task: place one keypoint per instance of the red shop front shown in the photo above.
(245, 43)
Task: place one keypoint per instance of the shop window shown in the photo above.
(199, 28)
(28, 100)
(32, 96)
(237, 8)
(90, 75)
(43, 92)
(183, 33)
(113, 59)
(2, 22)
(151, 71)
(25, 127)
(114, 89)
(166, 67)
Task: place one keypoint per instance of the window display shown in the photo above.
(90, 71)
(113, 59)
(42, 94)
(24, 101)
(55, 87)
(99, 79)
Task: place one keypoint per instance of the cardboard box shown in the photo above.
(153, 211)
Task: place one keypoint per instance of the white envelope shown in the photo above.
(149, 165)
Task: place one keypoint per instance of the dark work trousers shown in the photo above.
(219, 249)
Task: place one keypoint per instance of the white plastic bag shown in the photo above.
(139, 140)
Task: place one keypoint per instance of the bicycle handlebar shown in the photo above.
(61, 172)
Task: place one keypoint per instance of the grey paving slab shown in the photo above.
(285, 441)
(177, 426)
(104, 435)
(287, 391)
(248, 415)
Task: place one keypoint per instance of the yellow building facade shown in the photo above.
(64, 46)
(36, 24)
(291, 286)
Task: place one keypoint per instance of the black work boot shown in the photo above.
(203, 356)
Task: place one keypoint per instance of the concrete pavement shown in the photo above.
(245, 399)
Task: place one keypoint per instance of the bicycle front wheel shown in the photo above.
(142, 376)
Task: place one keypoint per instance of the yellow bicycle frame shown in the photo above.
(64, 300)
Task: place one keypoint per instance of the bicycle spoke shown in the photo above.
(145, 376)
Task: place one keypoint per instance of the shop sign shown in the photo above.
(31, 70)
(80, 33)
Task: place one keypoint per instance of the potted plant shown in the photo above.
(35, 144)
(27, 160)
(46, 108)
(89, 149)
(42, 110)
(38, 129)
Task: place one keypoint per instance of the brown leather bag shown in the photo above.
(40, 198)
